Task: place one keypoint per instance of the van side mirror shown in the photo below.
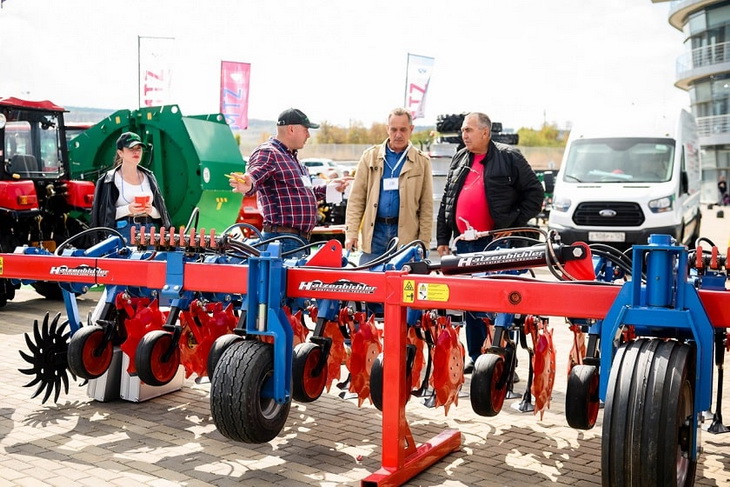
(683, 183)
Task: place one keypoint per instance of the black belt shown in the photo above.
(283, 229)
(141, 220)
(391, 220)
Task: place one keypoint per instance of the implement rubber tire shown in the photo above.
(236, 404)
(646, 434)
(83, 361)
(376, 384)
(219, 346)
(49, 290)
(148, 358)
(488, 387)
(305, 386)
(581, 397)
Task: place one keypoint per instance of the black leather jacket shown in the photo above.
(104, 210)
(514, 193)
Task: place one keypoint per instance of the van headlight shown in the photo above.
(661, 205)
(561, 204)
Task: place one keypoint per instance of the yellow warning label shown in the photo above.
(409, 291)
(433, 292)
(1, 265)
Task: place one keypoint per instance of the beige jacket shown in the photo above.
(415, 188)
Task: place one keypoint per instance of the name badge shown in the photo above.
(307, 181)
(390, 184)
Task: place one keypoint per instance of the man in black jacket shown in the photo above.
(490, 186)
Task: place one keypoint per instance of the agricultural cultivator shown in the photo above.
(648, 328)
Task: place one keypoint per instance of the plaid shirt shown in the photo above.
(278, 178)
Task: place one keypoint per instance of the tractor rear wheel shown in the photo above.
(488, 387)
(240, 394)
(88, 356)
(581, 397)
(307, 387)
(156, 363)
(648, 417)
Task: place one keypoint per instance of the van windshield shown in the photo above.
(620, 160)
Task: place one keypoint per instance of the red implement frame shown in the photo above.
(401, 458)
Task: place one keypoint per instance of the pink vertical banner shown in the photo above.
(234, 93)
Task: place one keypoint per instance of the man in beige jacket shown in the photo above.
(392, 194)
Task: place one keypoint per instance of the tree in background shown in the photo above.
(548, 136)
(356, 133)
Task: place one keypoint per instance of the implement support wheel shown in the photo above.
(88, 356)
(157, 358)
(240, 410)
(306, 386)
(216, 350)
(488, 384)
(648, 416)
(376, 383)
(581, 397)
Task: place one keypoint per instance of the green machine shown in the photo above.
(189, 156)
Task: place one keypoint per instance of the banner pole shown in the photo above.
(139, 72)
(405, 91)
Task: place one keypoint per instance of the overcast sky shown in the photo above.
(520, 61)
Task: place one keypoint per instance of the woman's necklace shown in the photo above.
(139, 179)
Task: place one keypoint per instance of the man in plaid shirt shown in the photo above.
(285, 193)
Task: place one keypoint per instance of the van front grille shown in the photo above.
(608, 214)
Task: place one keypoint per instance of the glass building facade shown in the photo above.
(704, 71)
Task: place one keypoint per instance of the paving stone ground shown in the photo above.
(172, 441)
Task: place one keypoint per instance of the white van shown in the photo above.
(617, 184)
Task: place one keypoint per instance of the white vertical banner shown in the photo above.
(418, 75)
(155, 56)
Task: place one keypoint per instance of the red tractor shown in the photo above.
(39, 205)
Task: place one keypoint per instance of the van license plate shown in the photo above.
(607, 236)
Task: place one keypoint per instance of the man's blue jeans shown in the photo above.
(475, 329)
(382, 234)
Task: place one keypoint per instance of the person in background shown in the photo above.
(722, 188)
(392, 193)
(284, 189)
(489, 186)
(128, 194)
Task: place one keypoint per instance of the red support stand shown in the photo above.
(401, 459)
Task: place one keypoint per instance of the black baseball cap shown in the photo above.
(129, 140)
(292, 116)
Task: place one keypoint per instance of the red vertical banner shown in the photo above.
(234, 93)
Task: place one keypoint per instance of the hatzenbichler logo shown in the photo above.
(80, 271)
(342, 286)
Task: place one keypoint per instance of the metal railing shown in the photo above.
(703, 56)
(709, 126)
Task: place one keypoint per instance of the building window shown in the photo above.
(697, 22)
(718, 16)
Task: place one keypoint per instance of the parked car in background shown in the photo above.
(317, 166)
